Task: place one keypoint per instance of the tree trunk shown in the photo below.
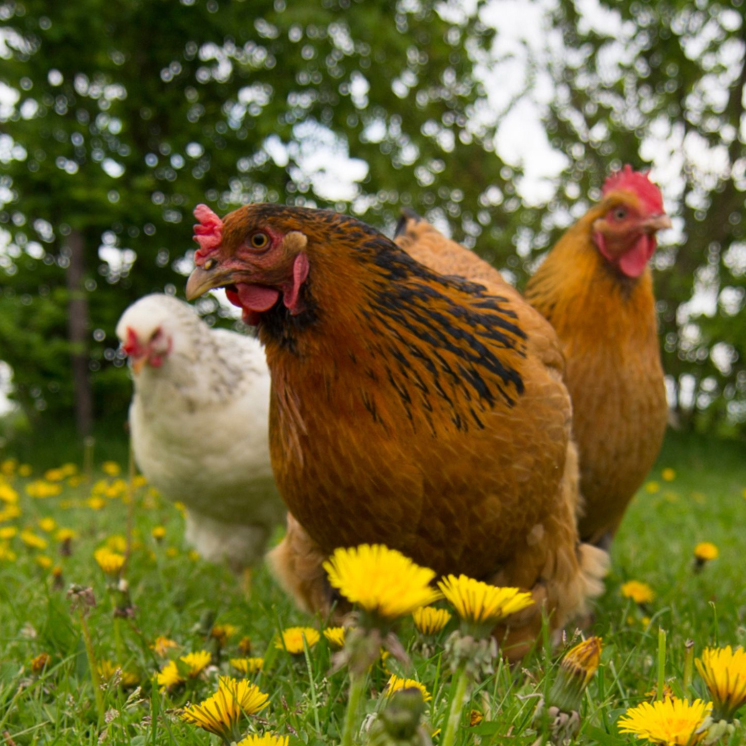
(78, 334)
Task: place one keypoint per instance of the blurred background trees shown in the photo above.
(118, 117)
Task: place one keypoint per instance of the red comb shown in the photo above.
(208, 233)
(637, 182)
(132, 345)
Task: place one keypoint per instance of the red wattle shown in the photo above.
(634, 261)
(258, 298)
(253, 300)
(232, 297)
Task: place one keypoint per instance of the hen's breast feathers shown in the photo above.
(204, 436)
(448, 428)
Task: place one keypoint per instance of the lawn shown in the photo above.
(695, 494)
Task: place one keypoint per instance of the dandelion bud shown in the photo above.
(399, 723)
(575, 671)
(716, 731)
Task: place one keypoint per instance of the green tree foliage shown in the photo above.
(130, 113)
(662, 83)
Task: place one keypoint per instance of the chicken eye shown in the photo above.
(620, 213)
(259, 240)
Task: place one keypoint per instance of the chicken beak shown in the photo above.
(656, 223)
(138, 363)
(201, 280)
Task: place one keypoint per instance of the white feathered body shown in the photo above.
(199, 427)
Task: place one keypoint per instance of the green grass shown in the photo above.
(180, 597)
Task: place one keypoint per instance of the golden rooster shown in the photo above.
(596, 289)
(408, 408)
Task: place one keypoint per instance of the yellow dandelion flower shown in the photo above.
(8, 466)
(30, 539)
(158, 532)
(247, 665)
(652, 487)
(266, 739)
(193, 555)
(162, 645)
(223, 711)
(645, 621)
(430, 620)
(108, 670)
(117, 543)
(640, 593)
(69, 470)
(47, 525)
(335, 636)
(139, 481)
(8, 494)
(43, 561)
(54, 475)
(668, 475)
(380, 580)
(705, 551)
(482, 605)
(221, 632)
(40, 662)
(667, 693)
(169, 676)
(197, 662)
(672, 722)
(396, 684)
(9, 513)
(24, 470)
(41, 488)
(111, 468)
(292, 639)
(172, 552)
(724, 672)
(8, 532)
(66, 534)
(6, 553)
(110, 562)
(100, 487)
(95, 503)
(475, 717)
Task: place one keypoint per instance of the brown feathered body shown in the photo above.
(417, 410)
(607, 325)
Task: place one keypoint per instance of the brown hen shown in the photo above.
(596, 289)
(422, 411)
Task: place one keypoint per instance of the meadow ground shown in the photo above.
(695, 494)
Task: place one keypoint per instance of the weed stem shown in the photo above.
(457, 705)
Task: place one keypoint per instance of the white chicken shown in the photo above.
(199, 425)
